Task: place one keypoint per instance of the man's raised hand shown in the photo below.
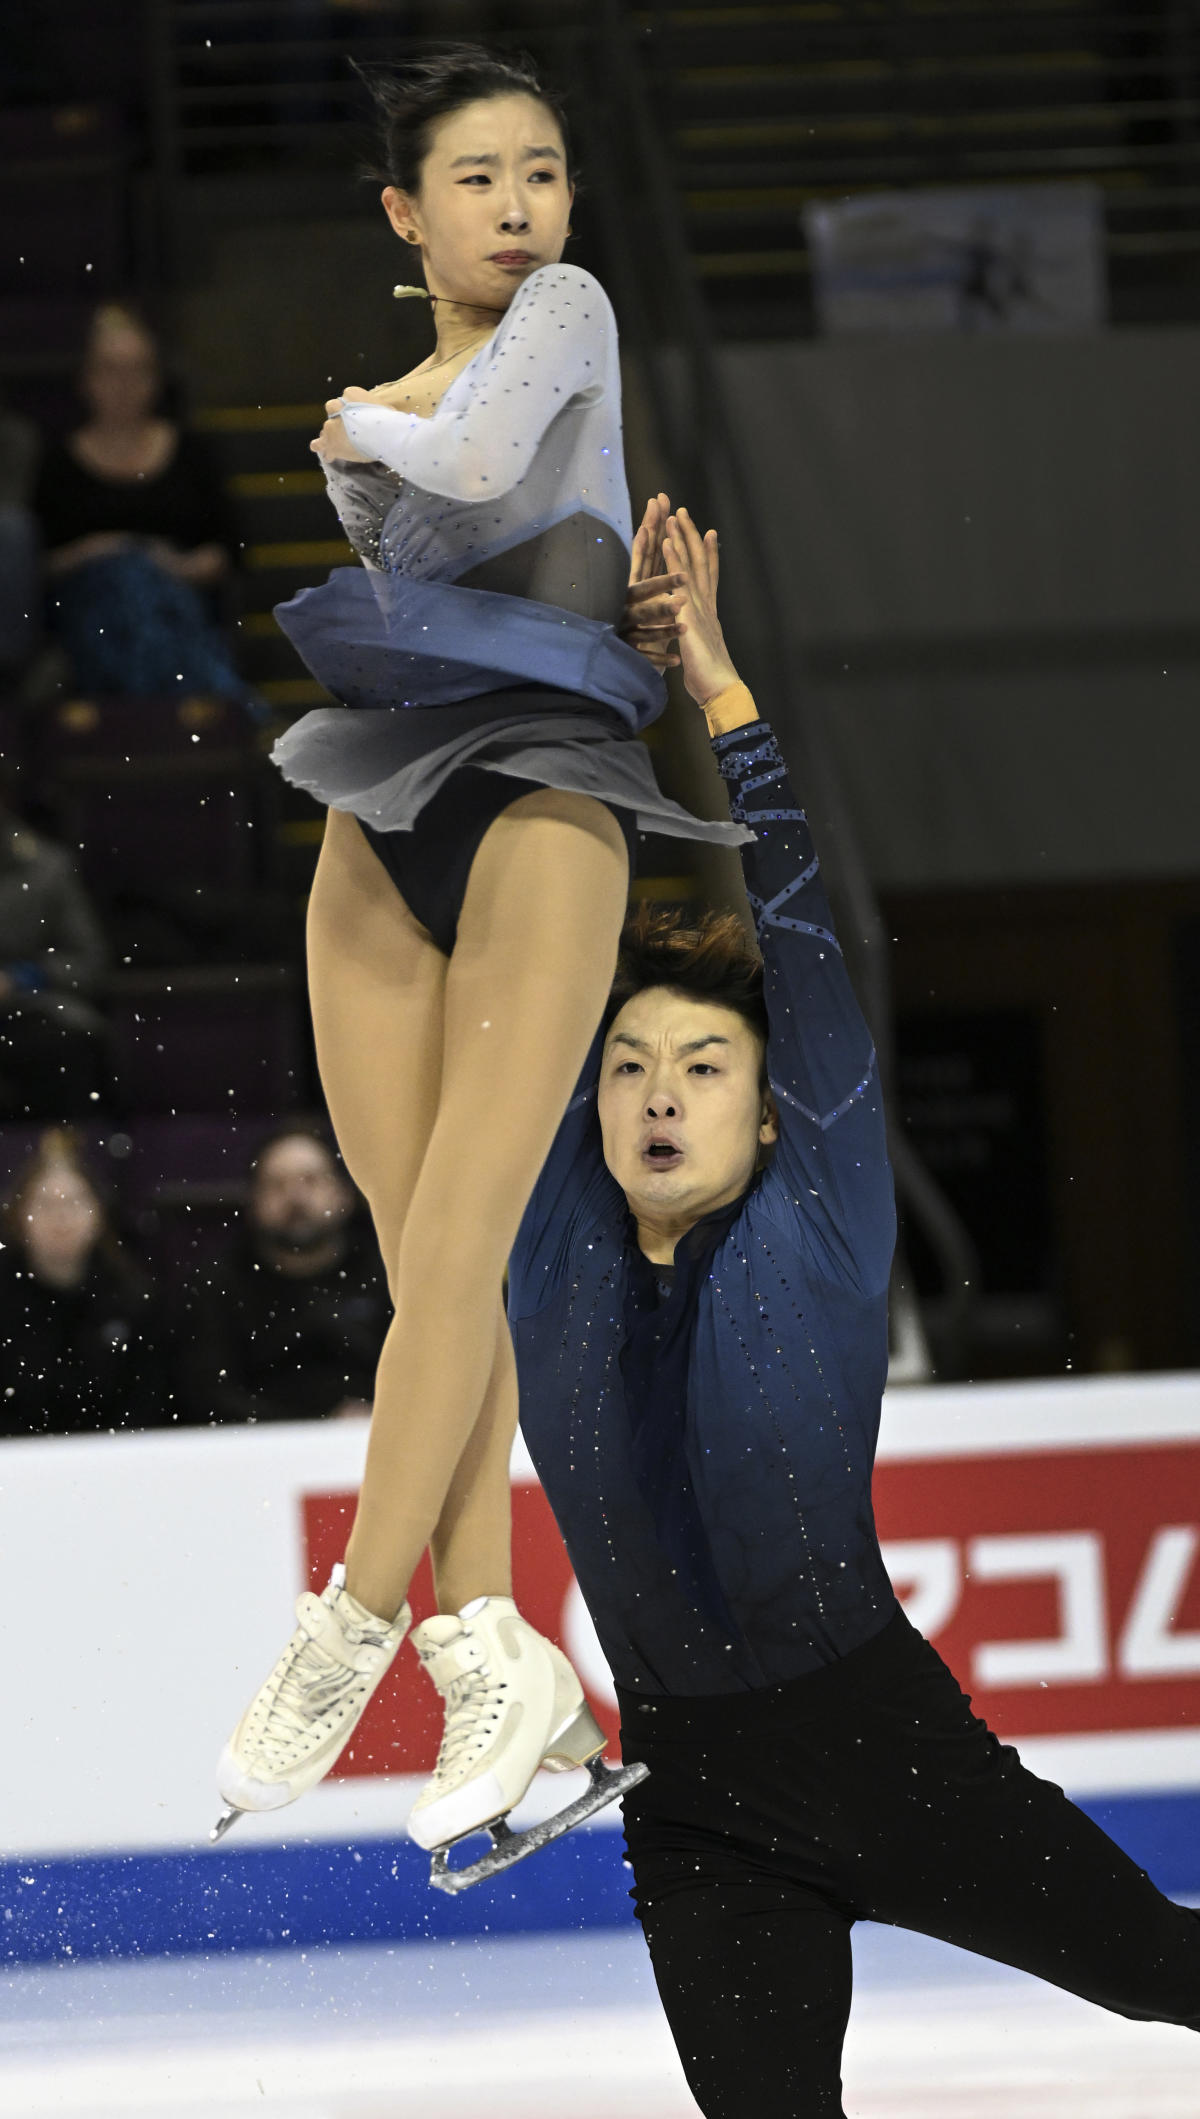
(693, 563)
(648, 623)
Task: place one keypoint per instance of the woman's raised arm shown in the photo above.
(556, 342)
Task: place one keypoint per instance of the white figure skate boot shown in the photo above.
(513, 1704)
(303, 1716)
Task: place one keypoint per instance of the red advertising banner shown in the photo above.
(1063, 1588)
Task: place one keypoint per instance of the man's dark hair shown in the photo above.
(409, 101)
(710, 959)
(295, 1129)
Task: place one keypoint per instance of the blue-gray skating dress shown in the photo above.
(481, 628)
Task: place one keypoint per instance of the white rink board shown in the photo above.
(149, 1581)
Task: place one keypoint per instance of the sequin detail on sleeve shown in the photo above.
(530, 430)
(832, 1164)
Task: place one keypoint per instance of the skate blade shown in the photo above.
(224, 1824)
(608, 1782)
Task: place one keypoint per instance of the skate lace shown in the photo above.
(314, 1684)
(474, 1703)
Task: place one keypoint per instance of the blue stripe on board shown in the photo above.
(178, 1904)
(1160, 1832)
(175, 1904)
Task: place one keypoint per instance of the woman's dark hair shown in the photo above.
(59, 1148)
(120, 314)
(409, 101)
(709, 959)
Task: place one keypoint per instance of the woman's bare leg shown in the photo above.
(471, 1548)
(536, 949)
(377, 986)
(377, 990)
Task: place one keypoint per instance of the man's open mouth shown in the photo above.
(662, 1154)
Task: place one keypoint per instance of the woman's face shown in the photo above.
(59, 1221)
(121, 377)
(494, 200)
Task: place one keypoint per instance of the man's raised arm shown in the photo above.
(829, 1183)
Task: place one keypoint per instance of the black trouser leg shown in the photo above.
(959, 1840)
(755, 1981)
(770, 1822)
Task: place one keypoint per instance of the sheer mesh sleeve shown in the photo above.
(830, 1180)
(556, 343)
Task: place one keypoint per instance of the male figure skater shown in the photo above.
(698, 1298)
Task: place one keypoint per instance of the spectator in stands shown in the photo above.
(137, 531)
(82, 1350)
(290, 1325)
(54, 1057)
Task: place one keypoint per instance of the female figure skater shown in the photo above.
(484, 789)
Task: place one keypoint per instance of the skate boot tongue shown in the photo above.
(497, 1606)
(447, 1650)
(437, 1632)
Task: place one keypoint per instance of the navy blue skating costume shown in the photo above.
(705, 1435)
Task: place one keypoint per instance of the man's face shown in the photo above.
(299, 1197)
(683, 1112)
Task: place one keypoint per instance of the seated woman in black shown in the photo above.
(137, 532)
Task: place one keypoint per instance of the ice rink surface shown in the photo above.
(549, 2028)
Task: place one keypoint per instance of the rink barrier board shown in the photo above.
(299, 1897)
(1045, 1536)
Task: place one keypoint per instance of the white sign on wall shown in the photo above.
(993, 259)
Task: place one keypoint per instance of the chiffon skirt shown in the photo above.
(384, 764)
(434, 676)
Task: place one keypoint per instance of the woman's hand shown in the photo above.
(648, 623)
(98, 544)
(693, 560)
(333, 442)
(203, 565)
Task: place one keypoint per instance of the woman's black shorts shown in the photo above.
(431, 863)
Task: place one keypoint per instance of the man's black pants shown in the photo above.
(773, 1820)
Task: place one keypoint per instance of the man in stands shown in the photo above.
(288, 1326)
